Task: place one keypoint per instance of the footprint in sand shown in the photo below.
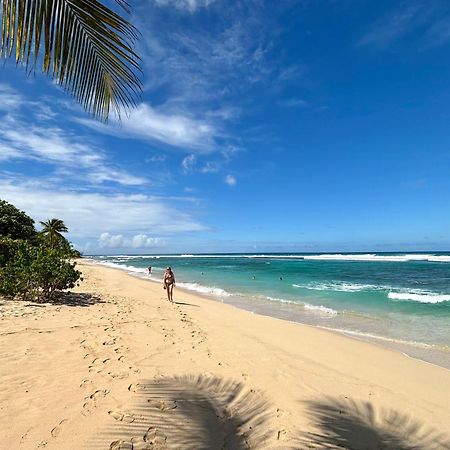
(155, 437)
(135, 387)
(122, 416)
(85, 383)
(119, 375)
(91, 401)
(163, 405)
(57, 430)
(121, 445)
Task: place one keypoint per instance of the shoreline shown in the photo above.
(115, 365)
(428, 353)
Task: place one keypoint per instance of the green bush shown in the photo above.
(35, 272)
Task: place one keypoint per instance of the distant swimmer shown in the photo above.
(149, 268)
(281, 278)
(169, 283)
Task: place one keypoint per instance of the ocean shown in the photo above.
(398, 300)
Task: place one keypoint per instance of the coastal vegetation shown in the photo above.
(34, 265)
(86, 47)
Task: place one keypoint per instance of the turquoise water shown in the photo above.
(397, 298)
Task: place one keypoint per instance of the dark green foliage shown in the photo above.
(34, 265)
(36, 272)
(74, 253)
(8, 247)
(15, 223)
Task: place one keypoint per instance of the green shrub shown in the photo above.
(36, 272)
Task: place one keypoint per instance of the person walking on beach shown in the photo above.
(169, 283)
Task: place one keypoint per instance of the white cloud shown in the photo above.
(155, 124)
(410, 16)
(230, 180)
(10, 99)
(138, 241)
(188, 163)
(210, 167)
(88, 215)
(53, 145)
(199, 65)
(189, 5)
(294, 103)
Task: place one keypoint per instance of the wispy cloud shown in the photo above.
(10, 99)
(60, 148)
(430, 20)
(156, 125)
(185, 5)
(188, 163)
(200, 67)
(29, 133)
(294, 103)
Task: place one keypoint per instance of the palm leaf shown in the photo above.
(87, 49)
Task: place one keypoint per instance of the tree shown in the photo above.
(86, 48)
(36, 272)
(52, 231)
(14, 223)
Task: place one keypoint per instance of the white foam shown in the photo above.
(325, 257)
(315, 308)
(123, 267)
(204, 289)
(378, 337)
(321, 309)
(341, 287)
(381, 258)
(419, 297)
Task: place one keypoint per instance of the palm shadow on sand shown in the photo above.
(189, 412)
(356, 425)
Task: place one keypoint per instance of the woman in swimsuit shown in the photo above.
(169, 283)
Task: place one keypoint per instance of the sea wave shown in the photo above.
(374, 257)
(368, 257)
(341, 287)
(321, 309)
(423, 297)
(210, 290)
(140, 270)
(315, 308)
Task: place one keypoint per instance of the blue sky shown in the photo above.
(264, 126)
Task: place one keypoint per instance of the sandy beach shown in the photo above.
(114, 365)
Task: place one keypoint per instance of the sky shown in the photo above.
(308, 125)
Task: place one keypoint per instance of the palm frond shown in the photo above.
(87, 49)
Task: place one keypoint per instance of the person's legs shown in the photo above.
(168, 291)
(171, 292)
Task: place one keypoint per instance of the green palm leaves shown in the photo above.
(87, 49)
(53, 229)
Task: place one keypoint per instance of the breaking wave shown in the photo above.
(423, 297)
